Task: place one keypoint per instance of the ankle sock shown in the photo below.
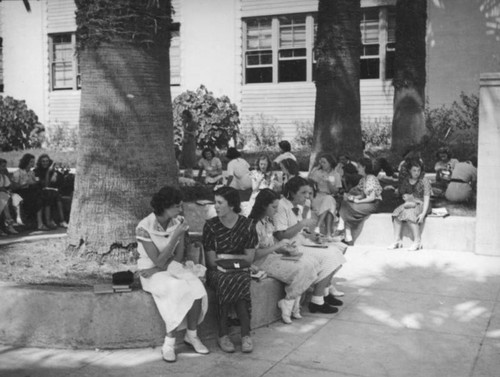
(191, 333)
(318, 300)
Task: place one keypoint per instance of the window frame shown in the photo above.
(175, 80)
(75, 66)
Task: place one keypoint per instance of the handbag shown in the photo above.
(232, 265)
(123, 278)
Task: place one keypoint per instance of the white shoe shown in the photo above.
(296, 309)
(168, 350)
(63, 224)
(335, 292)
(286, 307)
(196, 343)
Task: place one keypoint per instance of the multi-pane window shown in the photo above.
(292, 64)
(378, 37)
(175, 55)
(278, 49)
(1, 65)
(370, 60)
(64, 68)
(259, 56)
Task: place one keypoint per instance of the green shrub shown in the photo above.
(261, 134)
(218, 118)
(61, 136)
(376, 131)
(304, 134)
(19, 126)
(455, 127)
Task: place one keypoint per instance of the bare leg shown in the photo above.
(60, 211)
(244, 316)
(329, 222)
(39, 220)
(321, 219)
(223, 328)
(397, 226)
(319, 289)
(415, 229)
(348, 234)
(193, 315)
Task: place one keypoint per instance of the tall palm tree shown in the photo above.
(126, 128)
(408, 125)
(337, 124)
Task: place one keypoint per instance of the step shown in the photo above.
(456, 233)
(55, 317)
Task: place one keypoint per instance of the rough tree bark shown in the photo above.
(125, 151)
(408, 125)
(337, 124)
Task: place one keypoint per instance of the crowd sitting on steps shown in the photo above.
(294, 229)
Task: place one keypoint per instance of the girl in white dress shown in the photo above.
(178, 293)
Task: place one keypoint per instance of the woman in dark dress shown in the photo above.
(230, 235)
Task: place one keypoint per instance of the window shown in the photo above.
(370, 60)
(292, 53)
(278, 49)
(175, 55)
(64, 67)
(378, 39)
(259, 58)
(1, 65)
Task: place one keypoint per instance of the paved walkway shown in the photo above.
(427, 313)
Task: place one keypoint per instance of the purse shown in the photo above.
(232, 265)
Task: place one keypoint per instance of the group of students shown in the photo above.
(276, 226)
(31, 191)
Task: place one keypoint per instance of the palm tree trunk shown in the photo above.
(337, 124)
(125, 149)
(408, 125)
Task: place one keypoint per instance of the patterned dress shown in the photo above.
(297, 275)
(234, 286)
(420, 189)
(324, 200)
(355, 213)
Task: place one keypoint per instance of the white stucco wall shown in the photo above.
(208, 46)
(462, 43)
(23, 46)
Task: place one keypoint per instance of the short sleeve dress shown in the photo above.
(420, 189)
(235, 286)
(174, 290)
(355, 213)
(324, 200)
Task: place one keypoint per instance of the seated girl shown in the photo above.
(7, 199)
(212, 166)
(416, 192)
(298, 274)
(361, 201)
(230, 235)
(179, 294)
(327, 182)
(291, 225)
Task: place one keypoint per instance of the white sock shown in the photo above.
(341, 225)
(191, 333)
(327, 291)
(169, 341)
(318, 300)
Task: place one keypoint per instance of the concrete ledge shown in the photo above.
(455, 233)
(56, 317)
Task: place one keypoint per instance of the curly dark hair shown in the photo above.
(291, 166)
(330, 158)
(165, 198)
(231, 195)
(232, 153)
(264, 198)
(25, 160)
(40, 158)
(367, 164)
(205, 151)
(285, 146)
(293, 186)
(443, 150)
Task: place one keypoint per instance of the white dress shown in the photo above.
(329, 258)
(175, 289)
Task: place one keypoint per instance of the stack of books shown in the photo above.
(111, 288)
(122, 288)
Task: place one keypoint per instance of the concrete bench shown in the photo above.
(455, 233)
(43, 316)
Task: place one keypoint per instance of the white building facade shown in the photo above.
(257, 52)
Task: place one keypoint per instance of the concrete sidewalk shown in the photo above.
(426, 313)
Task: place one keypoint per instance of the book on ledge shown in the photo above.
(103, 288)
(120, 290)
(121, 286)
(439, 212)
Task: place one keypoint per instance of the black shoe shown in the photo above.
(348, 243)
(325, 308)
(331, 300)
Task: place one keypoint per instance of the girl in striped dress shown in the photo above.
(230, 235)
